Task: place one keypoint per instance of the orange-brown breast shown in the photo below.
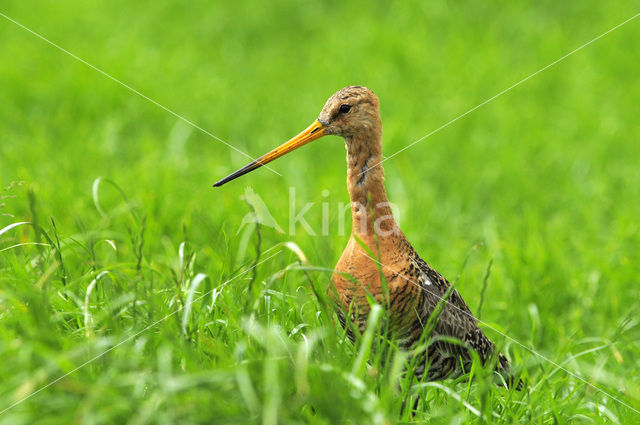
(393, 260)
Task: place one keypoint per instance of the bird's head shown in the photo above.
(352, 110)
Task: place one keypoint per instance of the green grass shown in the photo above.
(543, 182)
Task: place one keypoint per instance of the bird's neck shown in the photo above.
(370, 210)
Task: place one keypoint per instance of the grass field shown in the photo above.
(204, 319)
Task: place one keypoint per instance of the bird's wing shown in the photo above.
(455, 320)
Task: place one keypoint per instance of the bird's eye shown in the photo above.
(344, 108)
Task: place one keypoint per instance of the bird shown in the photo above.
(396, 276)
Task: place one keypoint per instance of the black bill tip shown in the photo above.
(241, 172)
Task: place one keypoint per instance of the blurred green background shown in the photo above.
(543, 183)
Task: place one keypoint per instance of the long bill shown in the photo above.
(313, 132)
